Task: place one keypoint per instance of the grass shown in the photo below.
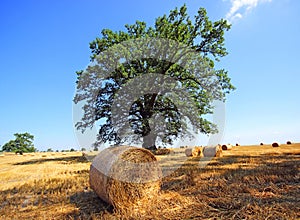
(248, 182)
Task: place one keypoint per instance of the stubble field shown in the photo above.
(248, 182)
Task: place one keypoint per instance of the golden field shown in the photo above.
(248, 182)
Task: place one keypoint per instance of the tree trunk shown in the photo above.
(149, 137)
(149, 141)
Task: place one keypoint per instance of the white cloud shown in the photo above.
(241, 7)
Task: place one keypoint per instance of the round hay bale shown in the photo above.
(162, 151)
(213, 151)
(123, 175)
(188, 152)
(237, 144)
(194, 152)
(226, 147)
(197, 151)
(261, 144)
(275, 144)
(289, 142)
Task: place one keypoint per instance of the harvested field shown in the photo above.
(248, 182)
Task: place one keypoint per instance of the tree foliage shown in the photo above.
(22, 143)
(198, 34)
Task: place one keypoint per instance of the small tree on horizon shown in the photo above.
(23, 143)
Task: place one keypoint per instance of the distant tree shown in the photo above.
(22, 143)
(10, 146)
(72, 150)
(57, 151)
(49, 150)
(96, 148)
(83, 149)
(200, 35)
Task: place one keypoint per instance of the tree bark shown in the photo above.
(149, 136)
(149, 141)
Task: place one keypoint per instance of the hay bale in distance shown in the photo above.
(226, 147)
(162, 151)
(237, 144)
(194, 151)
(188, 152)
(198, 151)
(213, 151)
(289, 142)
(123, 175)
(261, 144)
(275, 144)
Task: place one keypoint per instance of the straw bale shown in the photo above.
(226, 147)
(213, 151)
(162, 151)
(123, 175)
(275, 144)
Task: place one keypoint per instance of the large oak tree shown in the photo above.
(155, 116)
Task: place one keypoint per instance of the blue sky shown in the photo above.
(43, 43)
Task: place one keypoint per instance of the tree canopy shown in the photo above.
(22, 143)
(155, 116)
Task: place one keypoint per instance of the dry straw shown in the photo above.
(123, 175)
(213, 151)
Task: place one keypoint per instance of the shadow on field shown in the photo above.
(241, 186)
(258, 171)
(89, 204)
(74, 159)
